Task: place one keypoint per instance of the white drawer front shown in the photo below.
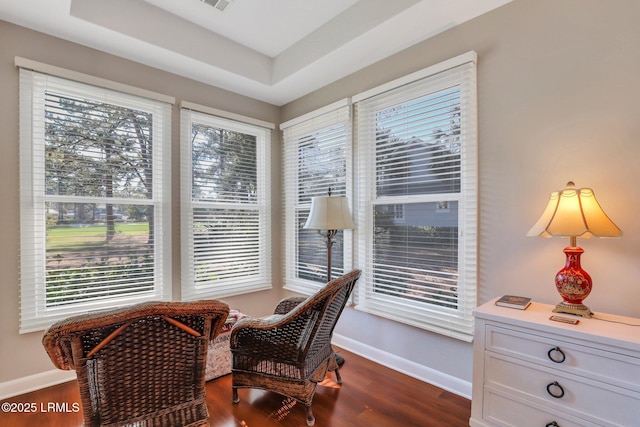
(508, 412)
(600, 364)
(601, 403)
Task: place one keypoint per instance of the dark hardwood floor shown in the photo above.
(370, 396)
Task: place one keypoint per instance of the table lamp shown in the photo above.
(573, 212)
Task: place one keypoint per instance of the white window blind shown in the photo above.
(94, 183)
(317, 158)
(226, 209)
(417, 153)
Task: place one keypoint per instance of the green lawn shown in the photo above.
(67, 237)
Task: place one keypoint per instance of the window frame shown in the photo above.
(34, 78)
(458, 322)
(191, 113)
(335, 115)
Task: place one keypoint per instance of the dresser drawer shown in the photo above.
(575, 358)
(597, 365)
(508, 411)
(600, 403)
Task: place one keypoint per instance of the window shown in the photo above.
(317, 150)
(93, 198)
(416, 147)
(398, 213)
(226, 209)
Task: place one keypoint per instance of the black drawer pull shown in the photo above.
(557, 350)
(552, 424)
(556, 387)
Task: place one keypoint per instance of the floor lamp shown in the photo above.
(328, 215)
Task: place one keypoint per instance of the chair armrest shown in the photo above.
(265, 323)
(276, 336)
(288, 304)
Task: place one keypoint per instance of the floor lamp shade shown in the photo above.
(573, 212)
(329, 213)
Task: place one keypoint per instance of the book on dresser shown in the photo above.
(514, 301)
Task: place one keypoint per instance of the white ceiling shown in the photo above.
(272, 50)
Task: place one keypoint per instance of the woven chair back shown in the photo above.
(143, 366)
(324, 320)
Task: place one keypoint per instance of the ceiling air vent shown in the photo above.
(221, 5)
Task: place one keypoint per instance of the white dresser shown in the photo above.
(531, 371)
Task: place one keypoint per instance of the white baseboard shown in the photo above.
(440, 379)
(413, 369)
(35, 382)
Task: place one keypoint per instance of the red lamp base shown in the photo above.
(573, 284)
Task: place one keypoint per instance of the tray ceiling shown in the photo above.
(272, 50)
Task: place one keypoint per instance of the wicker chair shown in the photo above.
(142, 365)
(290, 351)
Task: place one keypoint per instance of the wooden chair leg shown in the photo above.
(338, 377)
(311, 420)
(236, 399)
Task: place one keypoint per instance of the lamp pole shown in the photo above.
(329, 235)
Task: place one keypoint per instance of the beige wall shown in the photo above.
(22, 355)
(558, 90)
(558, 100)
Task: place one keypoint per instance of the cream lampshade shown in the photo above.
(573, 212)
(329, 213)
